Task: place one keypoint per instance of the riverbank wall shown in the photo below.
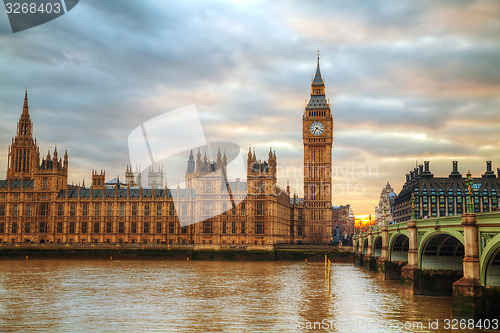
(311, 253)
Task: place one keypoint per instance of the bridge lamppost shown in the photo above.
(412, 200)
(469, 205)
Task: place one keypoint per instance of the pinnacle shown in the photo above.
(25, 106)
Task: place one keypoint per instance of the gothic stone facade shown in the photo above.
(37, 204)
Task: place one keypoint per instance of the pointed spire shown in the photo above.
(318, 80)
(25, 107)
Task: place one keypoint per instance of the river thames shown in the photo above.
(207, 296)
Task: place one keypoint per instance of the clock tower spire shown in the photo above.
(317, 134)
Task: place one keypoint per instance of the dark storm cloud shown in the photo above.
(406, 79)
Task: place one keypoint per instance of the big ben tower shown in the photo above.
(317, 133)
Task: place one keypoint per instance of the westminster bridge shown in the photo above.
(456, 256)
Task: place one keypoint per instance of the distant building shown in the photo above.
(133, 179)
(385, 208)
(156, 177)
(343, 223)
(444, 196)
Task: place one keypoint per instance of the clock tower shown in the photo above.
(317, 134)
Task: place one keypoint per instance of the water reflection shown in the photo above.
(175, 296)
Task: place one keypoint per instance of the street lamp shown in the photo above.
(469, 205)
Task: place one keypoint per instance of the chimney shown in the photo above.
(412, 175)
(408, 176)
(489, 172)
(421, 169)
(427, 172)
(454, 173)
(498, 172)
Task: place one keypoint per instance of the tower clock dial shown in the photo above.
(317, 128)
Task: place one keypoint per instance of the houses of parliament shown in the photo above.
(37, 205)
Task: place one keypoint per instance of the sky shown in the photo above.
(408, 81)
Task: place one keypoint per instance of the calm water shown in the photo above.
(174, 296)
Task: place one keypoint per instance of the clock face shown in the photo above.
(317, 128)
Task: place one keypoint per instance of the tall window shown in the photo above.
(109, 227)
(44, 209)
(2, 210)
(2, 227)
(171, 228)
(121, 227)
(134, 209)
(146, 210)
(243, 208)
(85, 209)
(233, 227)
(15, 210)
(72, 210)
(260, 208)
(122, 209)
(84, 227)
(60, 210)
(259, 227)
(110, 210)
(207, 227)
(59, 227)
(45, 183)
(27, 228)
(158, 210)
(96, 228)
(158, 227)
(243, 230)
(133, 228)
(28, 210)
(223, 227)
(71, 228)
(97, 209)
(207, 208)
(14, 227)
(146, 227)
(42, 227)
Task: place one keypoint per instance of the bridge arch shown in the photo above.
(490, 263)
(365, 245)
(399, 247)
(377, 246)
(441, 251)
